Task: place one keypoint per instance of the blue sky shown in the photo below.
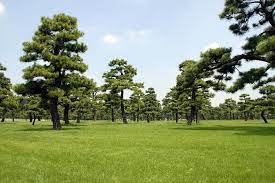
(153, 35)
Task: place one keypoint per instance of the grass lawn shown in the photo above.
(214, 151)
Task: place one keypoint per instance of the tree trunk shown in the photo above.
(3, 119)
(66, 114)
(245, 116)
(34, 118)
(203, 117)
(148, 118)
(78, 117)
(138, 116)
(94, 114)
(13, 119)
(193, 108)
(30, 117)
(177, 117)
(113, 114)
(54, 113)
(263, 117)
(134, 117)
(123, 115)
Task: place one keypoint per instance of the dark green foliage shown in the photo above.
(151, 105)
(7, 100)
(171, 104)
(247, 13)
(245, 106)
(193, 85)
(118, 79)
(55, 45)
(136, 104)
(260, 47)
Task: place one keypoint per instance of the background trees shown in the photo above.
(56, 46)
(193, 84)
(136, 104)
(171, 105)
(151, 105)
(118, 79)
(7, 101)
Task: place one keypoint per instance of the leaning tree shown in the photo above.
(55, 56)
(118, 79)
(247, 15)
(260, 48)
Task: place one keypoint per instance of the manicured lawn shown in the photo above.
(214, 151)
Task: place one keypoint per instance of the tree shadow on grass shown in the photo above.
(46, 129)
(239, 130)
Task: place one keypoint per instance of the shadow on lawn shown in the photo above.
(239, 130)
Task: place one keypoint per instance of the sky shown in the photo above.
(155, 36)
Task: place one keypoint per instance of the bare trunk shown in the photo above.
(34, 119)
(193, 108)
(148, 118)
(94, 114)
(123, 115)
(30, 117)
(113, 114)
(138, 116)
(263, 117)
(55, 114)
(177, 117)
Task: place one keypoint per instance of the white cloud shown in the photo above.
(111, 39)
(211, 46)
(137, 34)
(2, 8)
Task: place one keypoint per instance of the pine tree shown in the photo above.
(118, 79)
(136, 103)
(193, 85)
(247, 15)
(267, 102)
(7, 101)
(151, 104)
(245, 105)
(56, 46)
(171, 103)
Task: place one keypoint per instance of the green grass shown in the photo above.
(214, 151)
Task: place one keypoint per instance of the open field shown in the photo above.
(214, 151)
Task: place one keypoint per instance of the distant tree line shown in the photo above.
(57, 88)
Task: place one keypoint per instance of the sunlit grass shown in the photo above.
(214, 151)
